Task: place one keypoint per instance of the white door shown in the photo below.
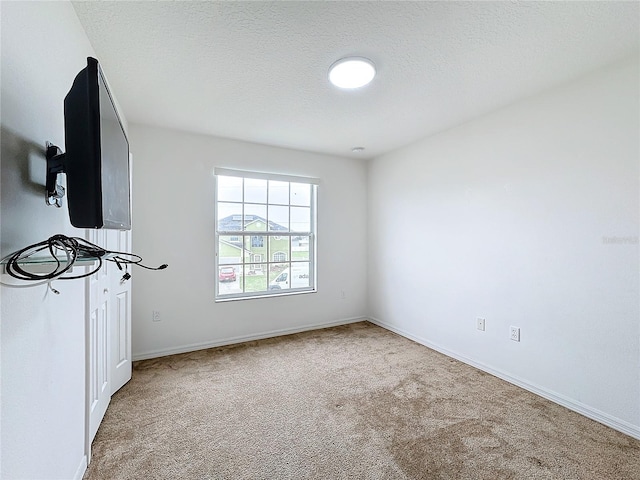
(98, 340)
(121, 318)
(109, 329)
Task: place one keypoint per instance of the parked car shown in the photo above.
(227, 274)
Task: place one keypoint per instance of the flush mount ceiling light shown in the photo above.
(352, 72)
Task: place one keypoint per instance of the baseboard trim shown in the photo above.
(81, 469)
(243, 338)
(578, 407)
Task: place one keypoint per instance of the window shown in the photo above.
(256, 266)
(279, 257)
(265, 231)
(257, 241)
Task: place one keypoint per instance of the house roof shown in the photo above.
(233, 223)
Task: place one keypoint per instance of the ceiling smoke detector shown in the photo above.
(352, 72)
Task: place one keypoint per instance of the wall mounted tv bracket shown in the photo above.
(55, 166)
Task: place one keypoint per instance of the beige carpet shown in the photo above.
(354, 402)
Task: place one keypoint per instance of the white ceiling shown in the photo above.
(257, 71)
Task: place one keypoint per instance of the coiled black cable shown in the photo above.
(73, 248)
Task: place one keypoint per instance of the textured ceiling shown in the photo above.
(257, 71)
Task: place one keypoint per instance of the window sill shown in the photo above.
(268, 295)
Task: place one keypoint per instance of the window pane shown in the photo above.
(255, 278)
(300, 248)
(229, 279)
(301, 194)
(278, 281)
(279, 249)
(255, 190)
(255, 218)
(229, 216)
(300, 219)
(299, 275)
(279, 192)
(229, 250)
(278, 218)
(229, 189)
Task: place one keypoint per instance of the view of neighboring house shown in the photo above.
(256, 249)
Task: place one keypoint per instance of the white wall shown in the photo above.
(43, 353)
(507, 217)
(173, 220)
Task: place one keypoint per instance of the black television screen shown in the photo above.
(96, 160)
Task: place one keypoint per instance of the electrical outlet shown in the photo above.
(480, 323)
(515, 334)
(156, 316)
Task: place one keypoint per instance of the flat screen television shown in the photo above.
(96, 157)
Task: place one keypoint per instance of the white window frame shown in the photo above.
(267, 235)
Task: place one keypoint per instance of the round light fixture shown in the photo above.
(357, 149)
(352, 72)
